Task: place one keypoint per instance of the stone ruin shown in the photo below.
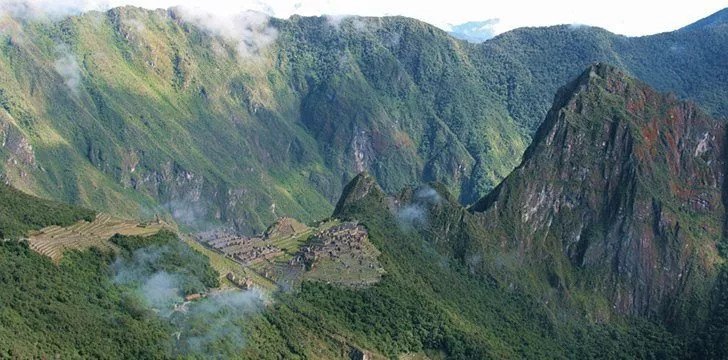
(248, 250)
(346, 238)
(243, 283)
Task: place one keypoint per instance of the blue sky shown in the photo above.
(627, 17)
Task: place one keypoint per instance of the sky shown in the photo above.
(626, 17)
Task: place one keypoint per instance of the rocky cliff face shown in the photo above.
(621, 193)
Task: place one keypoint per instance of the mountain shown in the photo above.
(605, 242)
(719, 19)
(532, 63)
(128, 304)
(622, 191)
(138, 112)
(474, 31)
(616, 214)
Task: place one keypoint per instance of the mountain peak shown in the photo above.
(597, 74)
(358, 188)
(614, 180)
(475, 31)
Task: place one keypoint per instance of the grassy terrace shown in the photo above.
(52, 241)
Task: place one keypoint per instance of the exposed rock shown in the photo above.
(622, 184)
(193, 297)
(15, 142)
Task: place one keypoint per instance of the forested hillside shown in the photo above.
(140, 112)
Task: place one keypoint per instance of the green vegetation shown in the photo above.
(168, 118)
(433, 302)
(80, 309)
(21, 213)
(71, 310)
(171, 119)
(168, 254)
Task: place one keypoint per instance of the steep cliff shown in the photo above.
(619, 193)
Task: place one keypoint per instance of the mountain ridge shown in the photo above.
(288, 124)
(469, 283)
(629, 196)
(719, 18)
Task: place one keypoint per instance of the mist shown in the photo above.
(203, 327)
(67, 67)
(188, 213)
(250, 30)
(42, 10)
(413, 216)
(217, 320)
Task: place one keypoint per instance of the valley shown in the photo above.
(359, 188)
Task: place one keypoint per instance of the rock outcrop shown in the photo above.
(620, 193)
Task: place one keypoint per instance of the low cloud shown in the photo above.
(413, 216)
(216, 319)
(67, 67)
(427, 195)
(336, 20)
(188, 213)
(158, 289)
(476, 31)
(198, 327)
(39, 10)
(250, 31)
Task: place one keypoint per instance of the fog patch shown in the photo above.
(413, 216)
(217, 319)
(189, 213)
(677, 49)
(134, 24)
(577, 26)
(336, 20)
(158, 290)
(207, 327)
(250, 30)
(42, 10)
(475, 31)
(67, 67)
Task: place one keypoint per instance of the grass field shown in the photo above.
(52, 241)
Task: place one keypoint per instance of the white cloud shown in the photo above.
(248, 29)
(67, 66)
(627, 17)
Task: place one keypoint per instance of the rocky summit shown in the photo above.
(621, 191)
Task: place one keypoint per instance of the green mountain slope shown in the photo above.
(140, 112)
(429, 302)
(21, 213)
(557, 261)
(530, 64)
